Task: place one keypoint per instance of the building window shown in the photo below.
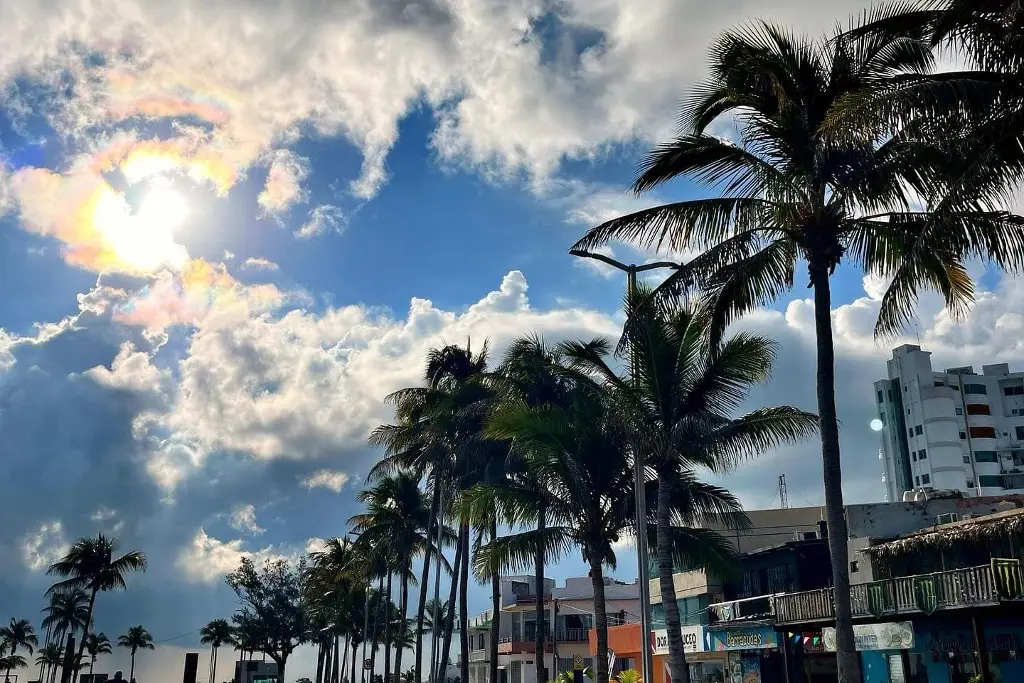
(967, 459)
(881, 396)
(976, 389)
(922, 454)
(779, 579)
(963, 435)
(959, 410)
(913, 455)
(926, 479)
(990, 481)
(752, 583)
(919, 430)
(910, 433)
(970, 483)
(854, 566)
(917, 481)
(1014, 391)
(985, 456)
(978, 409)
(1020, 433)
(939, 383)
(982, 432)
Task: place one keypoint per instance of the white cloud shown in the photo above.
(323, 218)
(206, 559)
(103, 514)
(229, 255)
(44, 546)
(332, 480)
(243, 518)
(259, 263)
(283, 187)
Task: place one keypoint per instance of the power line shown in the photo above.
(166, 640)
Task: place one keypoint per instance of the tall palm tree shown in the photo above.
(216, 633)
(19, 633)
(799, 187)
(96, 644)
(50, 656)
(134, 639)
(679, 407)
(67, 612)
(92, 565)
(397, 515)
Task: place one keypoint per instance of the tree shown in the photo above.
(18, 633)
(91, 565)
(799, 186)
(216, 633)
(10, 662)
(679, 409)
(50, 657)
(66, 613)
(273, 607)
(135, 638)
(96, 644)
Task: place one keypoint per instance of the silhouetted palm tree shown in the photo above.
(18, 634)
(96, 644)
(66, 613)
(135, 638)
(50, 657)
(91, 565)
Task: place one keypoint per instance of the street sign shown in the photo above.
(577, 662)
(367, 664)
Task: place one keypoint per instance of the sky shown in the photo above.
(229, 228)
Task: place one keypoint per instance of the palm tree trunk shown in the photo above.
(376, 627)
(7, 674)
(49, 632)
(387, 632)
(677, 654)
(425, 577)
(449, 618)
(344, 660)
(600, 617)
(355, 659)
(85, 632)
(846, 654)
(336, 660)
(540, 616)
(216, 656)
(209, 674)
(495, 609)
(131, 673)
(320, 663)
(280, 668)
(464, 606)
(402, 626)
(328, 660)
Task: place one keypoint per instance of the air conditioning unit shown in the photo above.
(946, 518)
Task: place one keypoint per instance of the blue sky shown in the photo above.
(226, 233)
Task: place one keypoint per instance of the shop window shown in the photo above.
(986, 456)
(982, 432)
(978, 409)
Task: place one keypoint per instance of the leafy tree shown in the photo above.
(273, 607)
(799, 186)
(216, 633)
(93, 566)
(134, 639)
(19, 633)
(96, 644)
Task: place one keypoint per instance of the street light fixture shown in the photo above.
(640, 496)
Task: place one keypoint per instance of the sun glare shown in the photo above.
(143, 240)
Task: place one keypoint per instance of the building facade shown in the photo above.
(951, 429)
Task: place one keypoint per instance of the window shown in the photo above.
(970, 483)
(752, 583)
(917, 481)
(904, 388)
(959, 410)
(926, 479)
(1020, 433)
(963, 435)
(967, 459)
(922, 454)
(854, 566)
(910, 432)
(1013, 391)
(913, 455)
(982, 432)
(954, 387)
(978, 409)
(919, 430)
(976, 389)
(939, 383)
(991, 481)
(985, 456)
(779, 579)
(881, 397)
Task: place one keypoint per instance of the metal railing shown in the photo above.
(1001, 580)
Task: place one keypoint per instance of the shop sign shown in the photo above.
(895, 636)
(757, 638)
(693, 640)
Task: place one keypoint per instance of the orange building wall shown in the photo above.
(625, 642)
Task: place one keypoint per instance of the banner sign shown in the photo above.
(693, 640)
(895, 636)
(754, 638)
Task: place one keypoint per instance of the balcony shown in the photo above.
(478, 656)
(571, 635)
(986, 585)
(747, 609)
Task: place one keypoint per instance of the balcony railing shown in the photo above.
(478, 655)
(571, 635)
(759, 607)
(1000, 581)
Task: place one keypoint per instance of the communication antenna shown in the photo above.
(783, 492)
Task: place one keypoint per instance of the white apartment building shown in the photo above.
(570, 609)
(952, 429)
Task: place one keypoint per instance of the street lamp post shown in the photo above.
(640, 496)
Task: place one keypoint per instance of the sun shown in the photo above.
(142, 241)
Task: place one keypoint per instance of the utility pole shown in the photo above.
(639, 474)
(783, 492)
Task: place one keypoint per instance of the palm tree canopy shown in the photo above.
(397, 514)
(67, 611)
(9, 662)
(19, 634)
(92, 564)
(50, 654)
(218, 632)
(97, 644)
(797, 186)
(136, 638)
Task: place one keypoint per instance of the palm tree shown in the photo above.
(216, 633)
(135, 638)
(92, 565)
(67, 612)
(10, 662)
(397, 516)
(18, 633)
(50, 656)
(798, 186)
(96, 644)
(679, 407)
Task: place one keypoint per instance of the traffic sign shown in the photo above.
(577, 662)
(367, 664)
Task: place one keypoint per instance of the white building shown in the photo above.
(952, 429)
(569, 608)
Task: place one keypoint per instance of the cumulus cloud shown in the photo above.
(44, 546)
(206, 559)
(243, 518)
(331, 480)
(260, 263)
(283, 186)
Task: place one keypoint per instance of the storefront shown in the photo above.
(751, 653)
(882, 649)
(705, 667)
(944, 651)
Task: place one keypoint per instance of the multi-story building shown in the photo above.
(568, 618)
(952, 429)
